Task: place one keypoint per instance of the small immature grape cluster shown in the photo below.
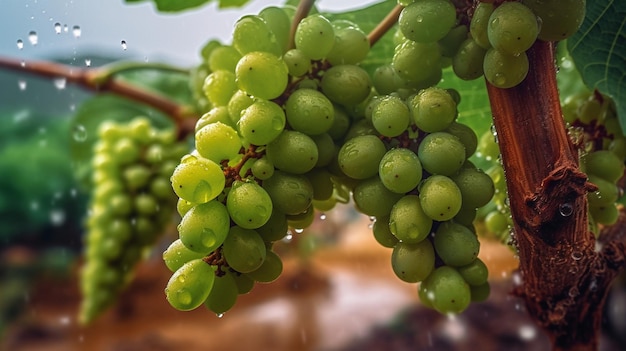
(596, 131)
(501, 34)
(289, 131)
(131, 204)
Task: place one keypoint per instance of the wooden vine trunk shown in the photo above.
(566, 274)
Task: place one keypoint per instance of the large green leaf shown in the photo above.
(599, 50)
(181, 5)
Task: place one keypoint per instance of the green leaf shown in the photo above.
(181, 5)
(599, 51)
(104, 107)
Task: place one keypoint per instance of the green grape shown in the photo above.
(204, 227)
(480, 23)
(326, 149)
(126, 151)
(136, 176)
(440, 198)
(291, 194)
(216, 114)
(455, 244)
(248, 204)
(243, 249)
(476, 187)
(512, 28)
(302, 220)
(140, 130)
(496, 222)
(559, 18)
(292, 152)
(407, 220)
(433, 109)
(252, 34)
(219, 87)
(262, 74)
(197, 180)
(190, 285)
(351, 47)
(224, 58)
(346, 84)
(279, 23)
(604, 214)
(261, 122)
(487, 147)
(390, 116)
(322, 184)
(269, 271)
(450, 44)
(208, 48)
(413, 262)
(467, 63)
(309, 111)
(315, 37)
(446, 290)
(427, 21)
(505, 71)
(360, 156)
(466, 215)
(441, 153)
(382, 233)
(183, 206)
(475, 273)
(217, 141)
(618, 147)
(223, 294)
(177, 254)
(400, 170)
(341, 124)
(146, 204)
(244, 283)
(415, 62)
(360, 127)
(262, 168)
(237, 104)
(480, 293)
(606, 194)
(275, 228)
(372, 198)
(604, 164)
(466, 135)
(297, 62)
(386, 80)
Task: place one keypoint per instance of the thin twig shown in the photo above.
(98, 80)
(389, 21)
(304, 7)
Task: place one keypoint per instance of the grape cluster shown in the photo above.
(294, 130)
(596, 131)
(131, 204)
(500, 36)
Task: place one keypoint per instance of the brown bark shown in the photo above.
(566, 275)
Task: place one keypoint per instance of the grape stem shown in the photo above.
(387, 23)
(304, 7)
(102, 79)
(567, 274)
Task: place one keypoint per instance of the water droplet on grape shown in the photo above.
(183, 296)
(298, 230)
(57, 28)
(20, 44)
(33, 38)
(76, 31)
(203, 192)
(566, 209)
(208, 237)
(80, 133)
(182, 278)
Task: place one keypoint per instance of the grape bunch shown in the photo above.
(501, 34)
(131, 204)
(293, 130)
(596, 131)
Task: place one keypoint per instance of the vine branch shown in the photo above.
(387, 23)
(304, 7)
(101, 80)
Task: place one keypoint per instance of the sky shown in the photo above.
(73, 28)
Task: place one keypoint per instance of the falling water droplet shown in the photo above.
(59, 83)
(76, 31)
(88, 62)
(80, 133)
(57, 217)
(33, 38)
(220, 315)
(57, 28)
(299, 230)
(124, 45)
(20, 44)
(527, 332)
(21, 84)
(323, 216)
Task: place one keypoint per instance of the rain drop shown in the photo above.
(57, 217)
(59, 83)
(65, 28)
(527, 332)
(20, 44)
(76, 31)
(80, 133)
(88, 62)
(21, 84)
(299, 230)
(220, 315)
(124, 45)
(33, 38)
(322, 216)
(57, 28)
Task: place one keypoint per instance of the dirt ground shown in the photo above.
(344, 298)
